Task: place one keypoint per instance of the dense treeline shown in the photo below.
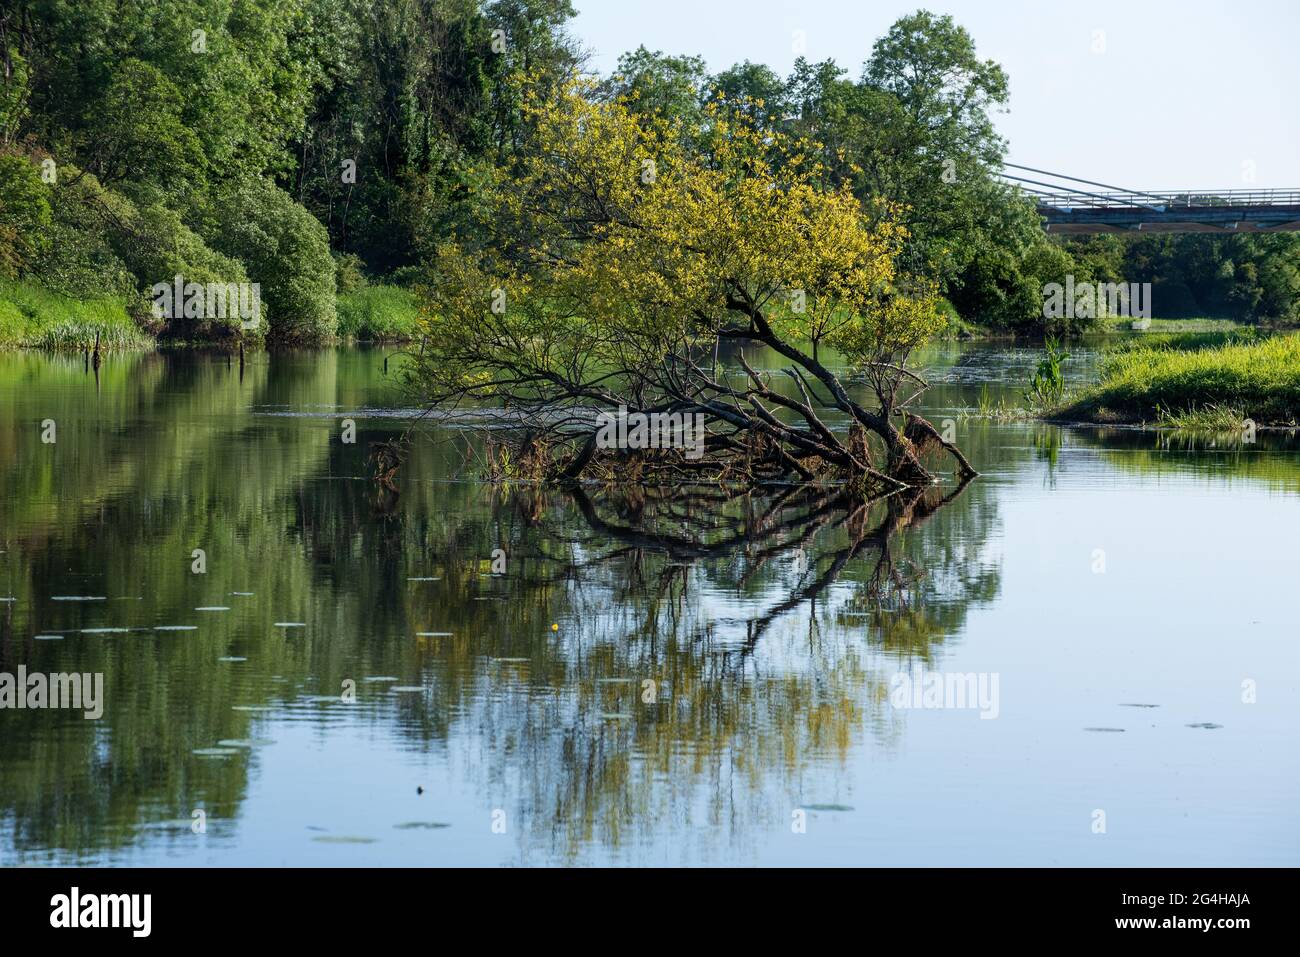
(317, 146)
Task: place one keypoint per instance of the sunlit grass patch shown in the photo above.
(34, 317)
(1211, 418)
(378, 314)
(1259, 380)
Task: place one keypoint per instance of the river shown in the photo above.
(301, 668)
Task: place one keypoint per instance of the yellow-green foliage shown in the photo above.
(615, 244)
(1262, 379)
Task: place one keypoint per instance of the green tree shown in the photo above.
(604, 289)
(285, 251)
(671, 87)
(24, 214)
(135, 132)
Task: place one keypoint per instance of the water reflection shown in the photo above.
(655, 678)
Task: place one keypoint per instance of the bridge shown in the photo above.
(1069, 210)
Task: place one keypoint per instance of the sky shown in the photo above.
(1168, 95)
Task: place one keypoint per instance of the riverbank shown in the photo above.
(1195, 382)
(34, 317)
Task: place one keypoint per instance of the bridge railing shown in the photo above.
(1181, 199)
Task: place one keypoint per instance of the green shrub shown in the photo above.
(349, 274)
(285, 250)
(24, 214)
(156, 246)
(103, 244)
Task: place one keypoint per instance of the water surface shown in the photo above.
(1132, 592)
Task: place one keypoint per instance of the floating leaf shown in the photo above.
(421, 826)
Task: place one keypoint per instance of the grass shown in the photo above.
(378, 314)
(1196, 385)
(1210, 418)
(1157, 326)
(34, 317)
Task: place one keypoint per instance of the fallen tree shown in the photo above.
(634, 267)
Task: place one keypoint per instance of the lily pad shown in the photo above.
(1103, 729)
(827, 807)
(342, 839)
(214, 752)
(421, 826)
(1207, 725)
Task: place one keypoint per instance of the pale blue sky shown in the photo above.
(1186, 95)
